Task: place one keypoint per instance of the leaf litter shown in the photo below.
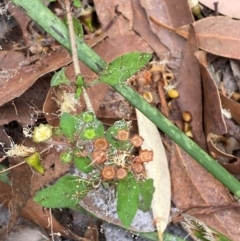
(215, 35)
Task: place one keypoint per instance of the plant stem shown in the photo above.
(74, 54)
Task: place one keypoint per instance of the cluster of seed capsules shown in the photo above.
(115, 164)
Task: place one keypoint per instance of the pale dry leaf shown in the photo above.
(157, 170)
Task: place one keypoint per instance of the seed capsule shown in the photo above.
(146, 155)
(189, 134)
(123, 135)
(173, 94)
(168, 76)
(121, 173)
(148, 97)
(35, 162)
(137, 167)
(100, 143)
(186, 116)
(108, 173)
(136, 140)
(99, 156)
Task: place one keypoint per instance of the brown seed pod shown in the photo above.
(141, 83)
(137, 167)
(123, 135)
(137, 159)
(186, 116)
(100, 143)
(121, 173)
(148, 97)
(168, 76)
(108, 173)
(99, 156)
(137, 140)
(235, 96)
(156, 77)
(189, 134)
(146, 155)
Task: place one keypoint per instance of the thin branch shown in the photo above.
(75, 54)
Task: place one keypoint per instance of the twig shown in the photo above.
(8, 169)
(75, 55)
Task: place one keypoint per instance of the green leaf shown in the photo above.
(93, 130)
(146, 189)
(66, 157)
(88, 117)
(4, 176)
(66, 192)
(83, 164)
(79, 81)
(59, 78)
(78, 92)
(127, 200)
(68, 124)
(77, 3)
(124, 67)
(77, 26)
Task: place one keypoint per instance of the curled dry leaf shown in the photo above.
(158, 171)
(218, 148)
(216, 35)
(213, 119)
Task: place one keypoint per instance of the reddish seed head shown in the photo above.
(99, 156)
(146, 155)
(137, 140)
(123, 135)
(108, 173)
(137, 159)
(100, 143)
(121, 173)
(137, 167)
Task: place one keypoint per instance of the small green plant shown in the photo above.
(104, 157)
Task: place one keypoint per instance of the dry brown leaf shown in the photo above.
(213, 119)
(142, 27)
(115, 16)
(190, 89)
(175, 15)
(26, 108)
(230, 8)
(24, 77)
(216, 35)
(20, 178)
(233, 167)
(193, 186)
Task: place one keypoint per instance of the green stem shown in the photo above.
(180, 138)
(38, 12)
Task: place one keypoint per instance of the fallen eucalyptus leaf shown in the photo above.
(158, 171)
